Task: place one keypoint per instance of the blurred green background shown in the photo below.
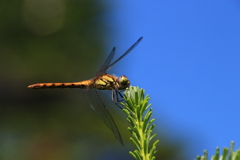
(56, 41)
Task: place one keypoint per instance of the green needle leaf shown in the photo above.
(228, 154)
(136, 104)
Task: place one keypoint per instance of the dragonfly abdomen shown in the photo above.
(82, 85)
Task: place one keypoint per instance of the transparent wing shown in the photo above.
(99, 107)
(106, 65)
(107, 62)
(124, 54)
(95, 100)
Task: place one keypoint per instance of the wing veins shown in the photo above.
(105, 65)
(99, 107)
(124, 54)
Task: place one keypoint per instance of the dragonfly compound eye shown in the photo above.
(124, 82)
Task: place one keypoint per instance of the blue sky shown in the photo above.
(188, 62)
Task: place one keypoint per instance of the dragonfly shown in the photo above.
(101, 81)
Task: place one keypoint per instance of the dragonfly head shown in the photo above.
(123, 82)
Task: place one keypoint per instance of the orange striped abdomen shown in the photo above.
(82, 85)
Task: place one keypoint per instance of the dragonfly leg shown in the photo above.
(115, 98)
(119, 96)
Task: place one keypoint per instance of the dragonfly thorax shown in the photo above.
(110, 82)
